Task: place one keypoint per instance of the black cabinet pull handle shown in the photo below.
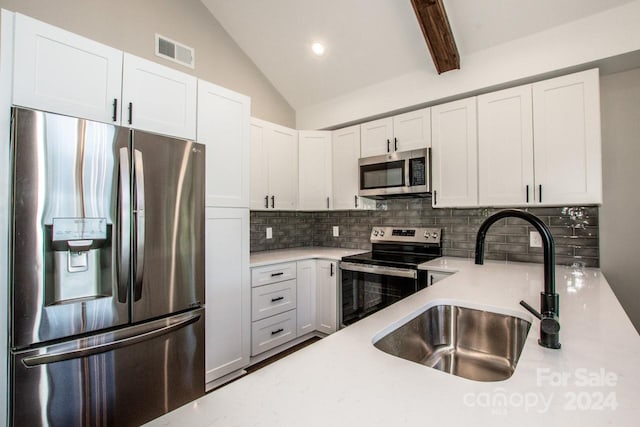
(266, 202)
(131, 113)
(277, 274)
(277, 331)
(276, 299)
(435, 197)
(395, 143)
(527, 193)
(540, 193)
(115, 109)
(273, 202)
(355, 201)
(431, 280)
(388, 142)
(327, 203)
(331, 270)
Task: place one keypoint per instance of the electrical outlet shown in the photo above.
(269, 233)
(535, 241)
(336, 231)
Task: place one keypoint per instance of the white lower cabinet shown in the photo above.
(306, 295)
(436, 276)
(228, 291)
(292, 299)
(272, 331)
(273, 299)
(326, 296)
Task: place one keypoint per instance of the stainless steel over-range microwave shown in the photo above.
(399, 174)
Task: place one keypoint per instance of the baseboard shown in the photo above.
(212, 385)
(282, 347)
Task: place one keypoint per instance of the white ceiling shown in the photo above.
(370, 41)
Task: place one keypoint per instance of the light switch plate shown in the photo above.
(336, 231)
(269, 233)
(535, 241)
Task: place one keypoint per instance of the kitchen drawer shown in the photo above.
(273, 273)
(272, 331)
(273, 299)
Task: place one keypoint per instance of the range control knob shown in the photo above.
(426, 235)
(381, 233)
(435, 235)
(375, 232)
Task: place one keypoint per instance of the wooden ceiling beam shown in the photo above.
(437, 33)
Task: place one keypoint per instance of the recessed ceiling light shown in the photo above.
(318, 48)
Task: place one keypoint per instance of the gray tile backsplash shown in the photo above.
(575, 233)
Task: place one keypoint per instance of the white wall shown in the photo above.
(131, 26)
(610, 33)
(619, 224)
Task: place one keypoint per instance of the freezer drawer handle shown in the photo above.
(276, 299)
(43, 359)
(277, 331)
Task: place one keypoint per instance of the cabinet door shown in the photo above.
(376, 137)
(306, 294)
(228, 291)
(282, 154)
(326, 296)
(505, 147)
(454, 154)
(314, 166)
(259, 173)
(412, 131)
(61, 72)
(566, 123)
(223, 126)
(158, 99)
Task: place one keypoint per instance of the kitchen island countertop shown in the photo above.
(343, 380)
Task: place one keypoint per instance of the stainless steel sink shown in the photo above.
(473, 344)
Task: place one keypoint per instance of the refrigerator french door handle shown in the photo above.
(124, 261)
(43, 359)
(140, 224)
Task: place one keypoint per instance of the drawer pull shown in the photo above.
(277, 274)
(277, 331)
(276, 299)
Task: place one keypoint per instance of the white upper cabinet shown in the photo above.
(223, 126)
(314, 170)
(326, 296)
(346, 152)
(274, 166)
(158, 99)
(228, 291)
(61, 72)
(408, 131)
(376, 137)
(454, 154)
(566, 123)
(505, 147)
(412, 130)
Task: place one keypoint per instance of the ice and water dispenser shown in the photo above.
(78, 260)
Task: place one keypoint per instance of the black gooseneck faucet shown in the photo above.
(549, 299)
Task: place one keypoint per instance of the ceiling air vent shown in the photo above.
(174, 51)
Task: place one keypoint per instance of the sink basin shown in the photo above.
(473, 344)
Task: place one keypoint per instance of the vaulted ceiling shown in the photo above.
(370, 41)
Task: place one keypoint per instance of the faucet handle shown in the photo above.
(549, 327)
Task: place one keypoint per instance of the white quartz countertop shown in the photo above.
(343, 380)
(298, 254)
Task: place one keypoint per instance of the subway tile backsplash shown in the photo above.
(575, 230)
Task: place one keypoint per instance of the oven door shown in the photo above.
(365, 289)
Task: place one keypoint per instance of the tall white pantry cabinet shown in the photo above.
(223, 126)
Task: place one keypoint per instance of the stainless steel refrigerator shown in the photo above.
(107, 317)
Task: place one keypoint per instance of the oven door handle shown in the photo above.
(379, 269)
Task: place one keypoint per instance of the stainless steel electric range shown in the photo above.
(374, 280)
